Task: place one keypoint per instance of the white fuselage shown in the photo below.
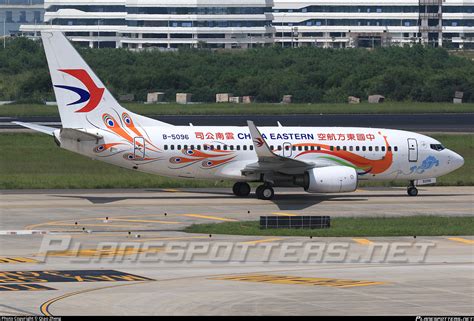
(223, 152)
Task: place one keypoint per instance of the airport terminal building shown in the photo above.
(14, 13)
(229, 24)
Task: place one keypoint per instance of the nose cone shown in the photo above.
(457, 160)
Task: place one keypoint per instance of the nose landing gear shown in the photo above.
(411, 189)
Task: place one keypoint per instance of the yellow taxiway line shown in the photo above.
(363, 241)
(142, 221)
(262, 241)
(215, 218)
(44, 308)
(284, 214)
(461, 240)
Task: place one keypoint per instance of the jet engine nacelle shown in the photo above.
(331, 179)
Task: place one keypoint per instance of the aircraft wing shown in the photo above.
(268, 161)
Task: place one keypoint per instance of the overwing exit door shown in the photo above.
(287, 149)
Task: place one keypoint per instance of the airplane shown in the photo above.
(318, 159)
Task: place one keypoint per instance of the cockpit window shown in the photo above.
(437, 147)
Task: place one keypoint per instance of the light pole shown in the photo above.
(4, 31)
(98, 34)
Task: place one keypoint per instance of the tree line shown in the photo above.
(310, 74)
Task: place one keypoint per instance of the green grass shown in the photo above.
(352, 226)
(34, 161)
(22, 110)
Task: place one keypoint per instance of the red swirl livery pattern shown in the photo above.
(103, 147)
(207, 159)
(215, 163)
(367, 165)
(114, 126)
(128, 121)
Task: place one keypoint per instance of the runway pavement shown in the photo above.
(433, 122)
(123, 252)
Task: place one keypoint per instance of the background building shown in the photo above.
(162, 23)
(14, 13)
(372, 23)
(248, 23)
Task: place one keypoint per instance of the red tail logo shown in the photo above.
(93, 95)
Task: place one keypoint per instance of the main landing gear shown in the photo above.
(241, 189)
(411, 189)
(263, 192)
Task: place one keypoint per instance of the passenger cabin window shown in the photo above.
(437, 147)
(166, 147)
(395, 148)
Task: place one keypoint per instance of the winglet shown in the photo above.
(261, 147)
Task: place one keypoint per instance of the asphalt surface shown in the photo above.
(436, 122)
(87, 262)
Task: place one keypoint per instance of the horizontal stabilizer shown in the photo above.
(38, 128)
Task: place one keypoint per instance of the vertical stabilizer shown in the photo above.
(82, 98)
